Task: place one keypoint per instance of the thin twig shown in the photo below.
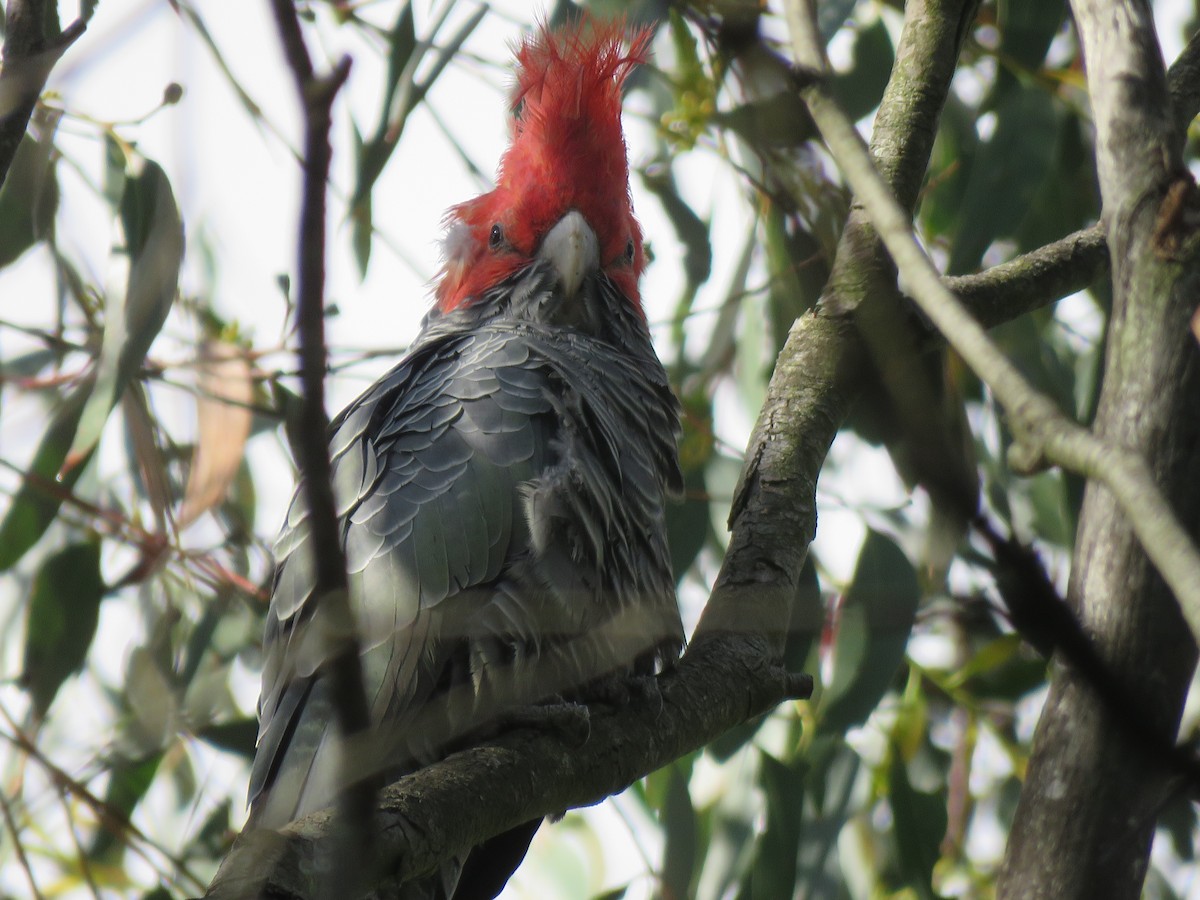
(20, 849)
(84, 863)
(1043, 434)
(113, 820)
(331, 588)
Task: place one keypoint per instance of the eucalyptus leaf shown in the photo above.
(875, 620)
(153, 241)
(61, 622)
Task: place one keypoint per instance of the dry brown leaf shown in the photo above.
(223, 416)
(1196, 323)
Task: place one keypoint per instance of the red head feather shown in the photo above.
(566, 152)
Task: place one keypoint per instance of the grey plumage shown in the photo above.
(501, 494)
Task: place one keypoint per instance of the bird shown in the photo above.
(502, 490)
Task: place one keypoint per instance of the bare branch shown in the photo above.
(331, 588)
(1044, 435)
(1183, 81)
(527, 774)
(1086, 817)
(824, 361)
(15, 834)
(1034, 279)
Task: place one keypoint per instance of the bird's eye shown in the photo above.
(496, 238)
(629, 250)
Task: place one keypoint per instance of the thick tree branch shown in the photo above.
(1087, 813)
(29, 55)
(526, 774)
(330, 588)
(824, 363)
(1035, 279)
(1043, 434)
(1183, 81)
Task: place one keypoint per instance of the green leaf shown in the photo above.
(401, 97)
(29, 364)
(152, 702)
(797, 271)
(831, 15)
(860, 88)
(1007, 173)
(780, 120)
(874, 623)
(29, 197)
(115, 162)
(950, 166)
(213, 834)
(154, 243)
(830, 783)
(402, 42)
(127, 784)
(1068, 199)
(691, 230)
(36, 502)
(920, 824)
(236, 736)
(678, 819)
(774, 871)
(288, 404)
(361, 225)
(61, 622)
(688, 522)
(1026, 29)
(1178, 819)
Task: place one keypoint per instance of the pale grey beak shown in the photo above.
(572, 248)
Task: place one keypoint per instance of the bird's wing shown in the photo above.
(427, 466)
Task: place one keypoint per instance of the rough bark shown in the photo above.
(1086, 817)
(577, 758)
(824, 363)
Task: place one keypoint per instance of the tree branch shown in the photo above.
(1043, 434)
(331, 589)
(29, 55)
(825, 361)
(1079, 260)
(1183, 81)
(436, 813)
(1087, 812)
(1035, 279)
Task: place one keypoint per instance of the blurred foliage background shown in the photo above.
(143, 467)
